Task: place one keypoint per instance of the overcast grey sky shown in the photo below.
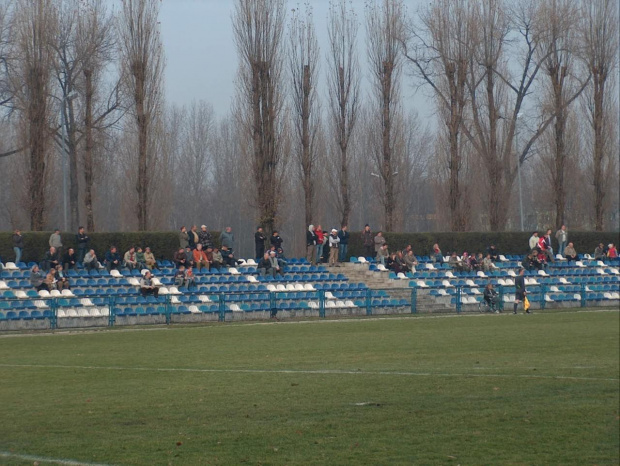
(202, 59)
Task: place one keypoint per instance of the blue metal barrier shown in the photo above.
(583, 295)
(222, 307)
(322, 304)
(112, 309)
(368, 302)
(459, 305)
(414, 300)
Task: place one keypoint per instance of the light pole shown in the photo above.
(65, 164)
(519, 171)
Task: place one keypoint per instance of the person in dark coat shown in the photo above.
(520, 290)
(368, 241)
(83, 242)
(259, 243)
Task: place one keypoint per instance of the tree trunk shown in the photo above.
(142, 123)
(88, 152)
(38, 130)
(599, 154)
(73, 167)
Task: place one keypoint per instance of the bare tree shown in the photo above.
(30, 74)
(600, 40)
(344, 90)
(439, 51)
(143, 67)
(304, 68)
(258, 27)
(385, 32)
(565, 84)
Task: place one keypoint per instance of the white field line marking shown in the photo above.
(34, 458)
(242, 324)
(308, 372)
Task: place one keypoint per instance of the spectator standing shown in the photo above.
(368, 241)
(18, 245)
(320, 242)
(437, 255)
(311, 240)
(334, 241)
(227, 238)
(55, 241)
(276, 240)
(205, 238)
(83, 242)
(562, 236)
(379, 242)
(549, 245)
(192, 237)
(259, 243)
(520, 290)
(533, 241)
(382, 254)
(112, 259)
(183, 238)
(343, 246)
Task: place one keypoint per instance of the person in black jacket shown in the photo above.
(82, 241)
(276, 240)
(311, 240)
(50, 260)
(343, 234)
(259, 243)
(69, 260)
(491, 297)
(520, 290)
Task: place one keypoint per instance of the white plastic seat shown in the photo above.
(156, 281)
(21, 294)
(3, 285)
(475, 291)
(577, 296)
(430, 267)
(512, 273)
(234, 307)
(600, 263)
(163, 290)
(615, 295)
(55, 293)
(349, 303)
(503, 258)
(10, 266)
(601, 271)
(234, 271)
(450, 275)
(83, 312)
(71, 313)
(564, 281)
(542, 273)
(194, 309)
(607, 295)
(560, 257)
(548, 298)
(442, 292)
(251, 262)
(133, 281)
(313, 305)
(580, 264)
(381, 268)
(402, 276)
(421, 284)
(174, 290)
(252, 279)
(86, 302)
(555, 289)
(41, 304)
(329, 295)
(67, 293)
(588, 256)
(44, 294)
(174, 300)
(362, 260)
(614, 271)
(94, 312)
(104, 312)
(290, 287)
(143, 272)
(115, 273)
(447, 284)
(470, 282)
(299, 287)
(61, 313)
(501, 282)
(204, 298)
(481, 274)
(280, 287)
(308, 287)
(330, 304)
(509, 282)
(271, 287)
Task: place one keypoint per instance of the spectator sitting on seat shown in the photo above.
(200, 258)
(474, 262)
(69, 260)
(180, 258)
(487, 263)
(50, 279)
(493, 252)
(411, 262)
(275, 265)
(190, 258)
(129, 260)
(282, 260)
(382, 254)
(465, 262)
(179, 276)
(455, 263)
(90, 260)
(149, 259)
(218, 260)
(570, 253)
(228, 257)
(437, 255)
(533, 240)
(37, 281)
(146, 285)
(50, 260)
(395, 263)
(190, 279)
(600, 252)
(112, 259)
(491, 297)
(140, 259)
(264, 264)
(62, 282)
(612, 252)
(530, 262)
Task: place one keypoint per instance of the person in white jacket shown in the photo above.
(334, 241)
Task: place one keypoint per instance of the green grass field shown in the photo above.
(539, 389)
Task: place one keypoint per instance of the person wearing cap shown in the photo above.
(205, 238)
(275, 265)
(334, 241)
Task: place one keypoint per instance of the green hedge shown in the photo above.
(506, 242)
(163, 244)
